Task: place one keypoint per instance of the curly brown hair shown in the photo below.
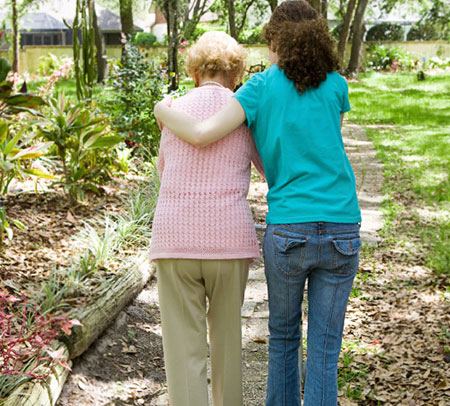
(302, 41)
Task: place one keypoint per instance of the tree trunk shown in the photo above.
(232, 19)
(126, 20)
(343, 36)
(95, 317)
(193, 12)
(317, 5)
(15, 30)
(273, 5)
(358, 36)
(324, 9)
(45, 392)
(172, 14)
(101, 52)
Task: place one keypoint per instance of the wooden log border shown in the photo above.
(95, 318)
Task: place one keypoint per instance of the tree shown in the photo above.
(241, 9)
(321, 6)
(345, 31)
(193, 12)
(17, 10)
(358, 37)
(171, 11)
(126, 20)
(232, 19)
(273, 4)
(15, 30)
(100, 45)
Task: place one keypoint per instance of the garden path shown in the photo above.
(125, 366)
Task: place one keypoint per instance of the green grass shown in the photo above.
(409, 122)
(67, 86)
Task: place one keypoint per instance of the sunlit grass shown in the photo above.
(409, 122)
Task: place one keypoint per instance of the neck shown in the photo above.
(218, 81)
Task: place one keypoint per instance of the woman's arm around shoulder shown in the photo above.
(201, 133)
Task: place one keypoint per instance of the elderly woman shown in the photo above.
(203, 235)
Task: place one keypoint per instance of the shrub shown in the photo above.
(135, 85)
(144, 39)
(422, 32)
(81, 137)
(382, 57)
(51, 63)
(26, 350)
(201, 29)
(438, 63)
(386, 32)
(252, 36)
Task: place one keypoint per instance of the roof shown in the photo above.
(40, 21)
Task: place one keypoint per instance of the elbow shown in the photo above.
(200, 139)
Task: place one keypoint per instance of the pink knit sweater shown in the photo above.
(202, 211)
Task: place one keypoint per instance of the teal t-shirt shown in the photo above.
(299, 139)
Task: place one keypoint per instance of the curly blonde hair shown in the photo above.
(216, 52)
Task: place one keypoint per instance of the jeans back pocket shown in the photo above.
(290, 251)
(346, 254)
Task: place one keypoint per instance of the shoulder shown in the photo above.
(256, 83)
(336, 78)
(202, 95)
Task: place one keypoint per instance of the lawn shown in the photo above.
(409, 122)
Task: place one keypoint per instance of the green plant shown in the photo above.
(422, 32)
(105, 246)
(144, 39)
(15, 148)
(50, 63)
(252, 36)
(136, 85)
(385, 32)
(26, 350)
(81, 137)
(124, 159)
(382, 57)
(84, 52)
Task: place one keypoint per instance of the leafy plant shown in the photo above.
(50, 63)
(15, 148)
(136, 85)
(422, 32)
(382, 58)
(385, 32)
(81, 137)
(26, 350)
(144, 39)
(252, 36)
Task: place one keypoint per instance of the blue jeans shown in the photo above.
(327, 255)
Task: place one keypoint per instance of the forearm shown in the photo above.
(201, 133)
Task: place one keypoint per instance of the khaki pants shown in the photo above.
(183, 286)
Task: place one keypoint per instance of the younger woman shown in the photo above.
(295, 111)
(203, 235)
